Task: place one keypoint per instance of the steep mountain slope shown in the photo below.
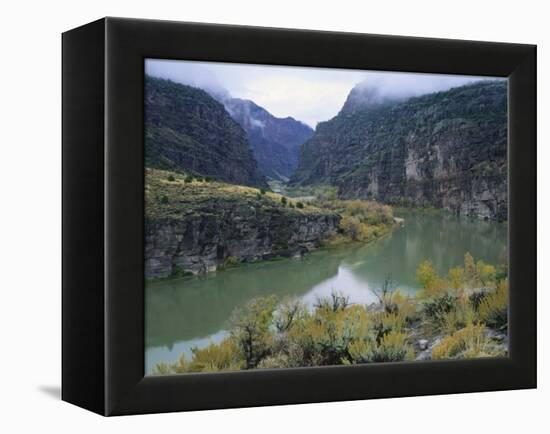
(275, 141)
(186, 129)
(446, 149)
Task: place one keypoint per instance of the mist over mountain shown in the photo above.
(445, 149)
(275, 141)
(364, 96)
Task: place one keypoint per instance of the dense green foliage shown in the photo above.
(270, 334)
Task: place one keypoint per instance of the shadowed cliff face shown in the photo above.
(188, 130)
(202, 243)
(446, 149)
(198, 226)
(275, 141)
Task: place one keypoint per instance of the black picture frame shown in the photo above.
(103, 218)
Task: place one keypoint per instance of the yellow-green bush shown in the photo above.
(391, 348)
(324, 336)
(469, 342)
(362, 220)
(216, 357)
(224, 356)
(251, 329)
(493, 308)
(268, 334)
(432, 285)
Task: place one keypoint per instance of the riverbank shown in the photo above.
(462, 314)
(197, 225)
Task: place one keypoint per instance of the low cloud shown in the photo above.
(310, 95)
(396, 85)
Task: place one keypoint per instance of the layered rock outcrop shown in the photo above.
(197, 227)
(446, 150)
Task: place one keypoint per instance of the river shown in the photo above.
(194, 311)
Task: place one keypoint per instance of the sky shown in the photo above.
(310, 95)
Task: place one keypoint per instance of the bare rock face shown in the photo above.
(446, 149)
(223, 231)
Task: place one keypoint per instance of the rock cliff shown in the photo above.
(188, 130)
(196, 227)
(446, 149)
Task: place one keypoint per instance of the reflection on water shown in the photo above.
(193, 311)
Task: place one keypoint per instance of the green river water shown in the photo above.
(188, 312)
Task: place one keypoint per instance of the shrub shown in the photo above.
(262, 191)
(287, 314)
(350, 227)
(486, 273)
(462, 315)
(279, 360)
(250, 329)
(475, 299)
(455, 278)
(171, 178)
(469, 342)
(284, 201)
(436, 309)
(223, 356)
(405, 306)
(426, 275)
(189, 178)
(386, 323)
(300, 205)
(385, 296)
(478, 274)
(391, 348)
(268, 335)
(469, 268)
(432, 284)
(164, 199)
(325, 336)
(336, 302)
(215, 357)
(493, 309)
(231, 261)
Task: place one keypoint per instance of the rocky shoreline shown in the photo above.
(195, 227)
(203, 243)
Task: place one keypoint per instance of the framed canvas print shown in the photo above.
(258, 216)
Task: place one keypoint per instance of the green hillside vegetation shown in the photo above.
(462, 314)
(169, 195)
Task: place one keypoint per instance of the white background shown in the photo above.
(30, 185)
